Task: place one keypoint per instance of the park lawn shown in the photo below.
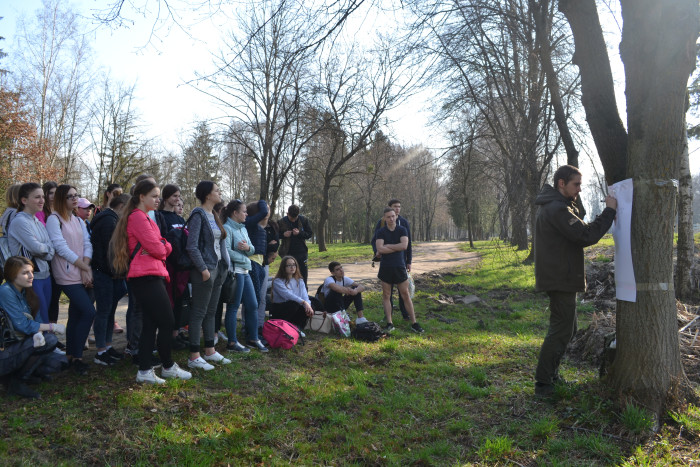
(341, 252)
(462, 393)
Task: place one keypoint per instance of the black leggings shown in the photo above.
(151, 295)
(289, 311)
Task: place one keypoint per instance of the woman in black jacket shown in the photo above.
(108, 289)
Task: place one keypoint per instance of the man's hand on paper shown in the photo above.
(611, 202)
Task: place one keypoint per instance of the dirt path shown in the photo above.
(427, 257)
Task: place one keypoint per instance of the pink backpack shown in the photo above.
(280, 333)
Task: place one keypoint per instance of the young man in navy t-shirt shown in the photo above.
(392, 241)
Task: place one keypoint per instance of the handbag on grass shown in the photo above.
(341, 322)
(320, 322)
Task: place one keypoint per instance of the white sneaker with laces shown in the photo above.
(175, 372)
(222, 336)
(200, 363)
(148, 376)
(218, 358)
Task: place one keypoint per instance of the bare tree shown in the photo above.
(119, 144)
(52, 70)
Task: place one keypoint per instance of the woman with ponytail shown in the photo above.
(206, 245)
(139, 251)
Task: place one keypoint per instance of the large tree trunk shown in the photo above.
(597, 90)
(658, 51)
(686, 243)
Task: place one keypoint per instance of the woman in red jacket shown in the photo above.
(139, 249)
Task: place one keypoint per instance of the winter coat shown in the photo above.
(297, 243)
(560, 236)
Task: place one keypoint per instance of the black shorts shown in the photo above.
(392, 274)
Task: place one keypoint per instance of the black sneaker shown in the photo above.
(79, 366)
(179, 344)
(389, 328)
(257, 345)
(104, 359)
(415, 327)
(18, 388)
(115, 354)
(544, 390)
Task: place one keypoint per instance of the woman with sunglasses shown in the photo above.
(290, 300)
(71, 269)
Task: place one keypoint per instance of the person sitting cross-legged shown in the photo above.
(340, 291)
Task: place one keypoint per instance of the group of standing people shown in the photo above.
(124, 249)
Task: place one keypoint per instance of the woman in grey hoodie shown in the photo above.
(28, 237)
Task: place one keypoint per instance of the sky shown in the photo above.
(162, 66)
(162, 62)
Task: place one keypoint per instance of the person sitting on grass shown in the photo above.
(290, 300)
(340, 291)
(22, 360)
(392, 241)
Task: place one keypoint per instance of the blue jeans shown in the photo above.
(81, 314)
(42, 287)
(257, 274)
(108, 292)
(246, 292)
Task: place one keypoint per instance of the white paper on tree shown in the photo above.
(625, 285)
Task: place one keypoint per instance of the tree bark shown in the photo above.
(685, 250)
(597, 88)
(658, 51)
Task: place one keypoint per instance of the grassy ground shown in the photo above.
(342, 252)
(462, 393)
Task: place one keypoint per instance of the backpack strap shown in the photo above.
(136, 250)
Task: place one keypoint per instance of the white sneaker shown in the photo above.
(148, 376)
(58, 351)
(175, 372)
(199, 363)
(301, 333)
(218, 358)
(222, 336)
(216, 339)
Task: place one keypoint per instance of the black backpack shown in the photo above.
(179, 258)
(369, 332)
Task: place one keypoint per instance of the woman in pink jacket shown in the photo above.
(139, 249)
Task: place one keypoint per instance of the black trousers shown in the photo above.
(562, 328)
(151, 295)
(336, 302)
(289, 311)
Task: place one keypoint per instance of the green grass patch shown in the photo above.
(460, 394)
(341, 252)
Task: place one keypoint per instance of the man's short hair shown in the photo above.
(566, 173)
(293, 210)
(393, 201)
(332, 265)
(387, 209)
